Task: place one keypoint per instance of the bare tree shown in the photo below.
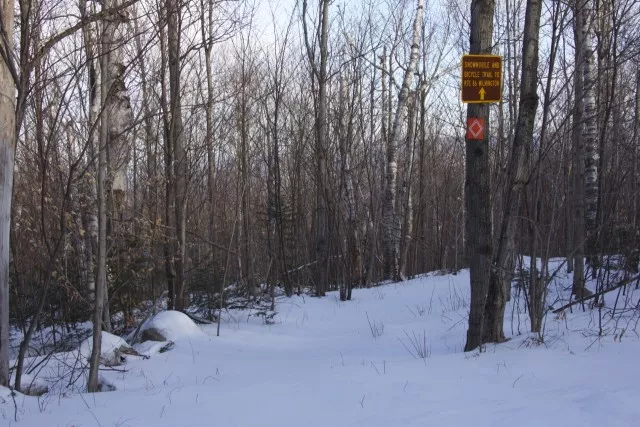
(353, 261)
(176, 159)
(578, 195)
(321, 77)
(390, 219)
(7, 160)
(504, 260)
(275, 116)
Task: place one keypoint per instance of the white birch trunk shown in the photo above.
(390, 223)
(7, 161)
(406, 213)
(88, 200)
(354, 258)
(590, 119)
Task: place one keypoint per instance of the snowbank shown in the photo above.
(110, 349)
(32, 386)
(169, 326)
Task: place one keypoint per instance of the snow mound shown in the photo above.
(169, 326)
(5, 395)
(32, 386)
(105, 385)
(110, 349)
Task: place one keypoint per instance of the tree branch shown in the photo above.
(597, 294)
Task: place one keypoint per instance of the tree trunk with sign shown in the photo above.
(477, 185)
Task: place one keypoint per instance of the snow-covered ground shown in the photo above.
(329, 363)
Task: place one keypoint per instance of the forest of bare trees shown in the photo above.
(219, 152)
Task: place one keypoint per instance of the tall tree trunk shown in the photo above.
(504, 260)
(120, 120)
(405, 189)
(477, 186)
(244, 216)
(207, 28)
(89, 196)
(106, 81)
(279, 221)
(176, 138)
(322, 214)
(274, 120)
(7, 161)
(579, 150)
(320, 75)
(353, 276)
(150, 142)
(538, 282)
(589, 126)
(636, 148)
(170, 239)
(390, 221)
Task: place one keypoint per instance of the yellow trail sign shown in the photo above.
(481, 78)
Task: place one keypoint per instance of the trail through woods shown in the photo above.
(329, 363)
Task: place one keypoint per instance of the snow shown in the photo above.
(173, 325)
(322, 363)
(110, 344)
(32, 385)
(150, 348)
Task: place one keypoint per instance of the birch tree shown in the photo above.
(7, 161)
(390, 219)
(106, 40)
(88, 204)
(584, 21)
(580, 136)
(353, 262)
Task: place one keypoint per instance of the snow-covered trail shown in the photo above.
(320, 365)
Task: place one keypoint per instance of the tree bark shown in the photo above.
(477, 186)
(106, 81)
(207, 40)
(636, 147)
(589, 127)
(320, 74)
(538, 282)
(579, 157)
(176, 139)
(89, 196)
(120, 121)
(170, 238)
(504, 260)
(353, 276)
(391, 224)
(405, 189)
(7, 161)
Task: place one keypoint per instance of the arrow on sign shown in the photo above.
(482, 92)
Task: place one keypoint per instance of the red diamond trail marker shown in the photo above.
(475, 129)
